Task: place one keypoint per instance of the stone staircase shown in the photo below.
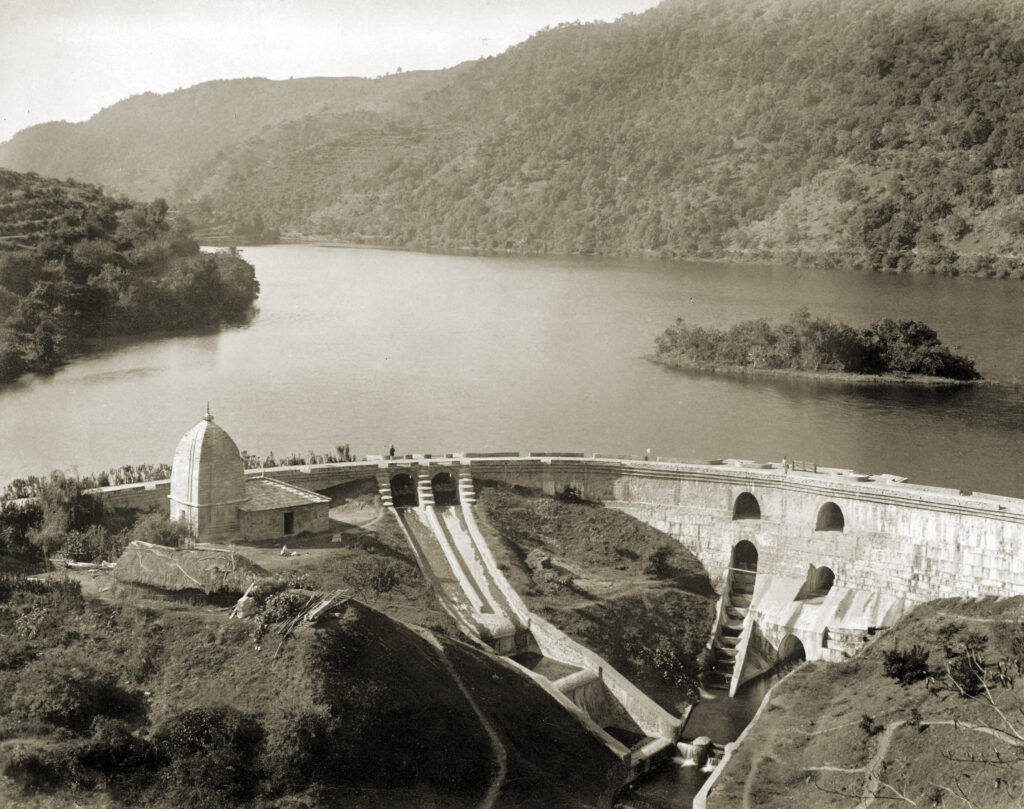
(725, 647)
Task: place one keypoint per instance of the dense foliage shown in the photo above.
(77, 264)
(99, 698)
(62, 518)
(869, 133)
(804, 343)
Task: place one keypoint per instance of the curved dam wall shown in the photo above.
(877, 534)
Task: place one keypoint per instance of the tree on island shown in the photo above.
(808, 344)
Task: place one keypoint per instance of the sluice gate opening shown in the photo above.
(403, 491)
(446, 493)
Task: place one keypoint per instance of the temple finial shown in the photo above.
(209, 415)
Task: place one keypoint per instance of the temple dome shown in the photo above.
(207, 481)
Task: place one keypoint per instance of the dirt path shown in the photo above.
(973, 620)
(873, 782)
(748, 784)
(874, 788)
(497, 748)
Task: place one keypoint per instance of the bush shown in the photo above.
(867, 724)
(384, 578)
(159, 529)
(15, 653)
(93, 545)
(70, 695)
(659, 562)
(211, 757)
(38, 768)
(378, 576)
(294, 758)
(906, 666)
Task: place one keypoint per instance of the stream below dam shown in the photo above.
(674, 784)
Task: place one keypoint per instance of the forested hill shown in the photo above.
(878, 133)
(77, 264)
(144, 145)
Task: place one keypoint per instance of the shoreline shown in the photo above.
(824, 262)
(834, 377)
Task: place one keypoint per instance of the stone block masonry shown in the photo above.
(917, 542)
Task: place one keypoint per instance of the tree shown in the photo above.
(65, 507)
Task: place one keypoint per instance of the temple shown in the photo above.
(211, 493)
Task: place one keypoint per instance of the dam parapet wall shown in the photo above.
(877, 533)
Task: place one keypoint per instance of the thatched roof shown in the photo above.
(176, 569)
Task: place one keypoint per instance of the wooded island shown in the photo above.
(805, 345)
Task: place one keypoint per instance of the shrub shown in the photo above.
(92, 545)
(158, 528)
(15, 653)
(659, 562)
(906, 666)
(37, 768)
(867, 724)
(283, 606)
(295, 757)
(384, 578)
(70, 695)
(1017, 646)
(210, 757)
(967, 674)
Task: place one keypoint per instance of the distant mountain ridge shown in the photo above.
(870, 133)
(140, 146)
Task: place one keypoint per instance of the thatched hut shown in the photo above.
(178, 570)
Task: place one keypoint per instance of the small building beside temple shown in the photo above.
(220, 503)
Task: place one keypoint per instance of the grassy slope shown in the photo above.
(600, 588)
(398, 730)
(814, 721)
(405, 735)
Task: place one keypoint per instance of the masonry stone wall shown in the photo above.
(921, 542)
(269, 523)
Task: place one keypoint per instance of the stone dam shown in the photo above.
(810, 562)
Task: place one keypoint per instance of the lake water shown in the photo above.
(439, 354)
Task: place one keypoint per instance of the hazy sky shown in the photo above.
(67, 59)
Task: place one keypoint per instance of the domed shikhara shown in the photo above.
(208, 482)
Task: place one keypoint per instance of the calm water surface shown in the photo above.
(439, 354)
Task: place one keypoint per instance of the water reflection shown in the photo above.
(440, 353)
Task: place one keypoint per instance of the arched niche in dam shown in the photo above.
(746, 507)
(446, 493)
(403, 490)
(744, 555)
(818, 583)
(830, 518)
(791, 650)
